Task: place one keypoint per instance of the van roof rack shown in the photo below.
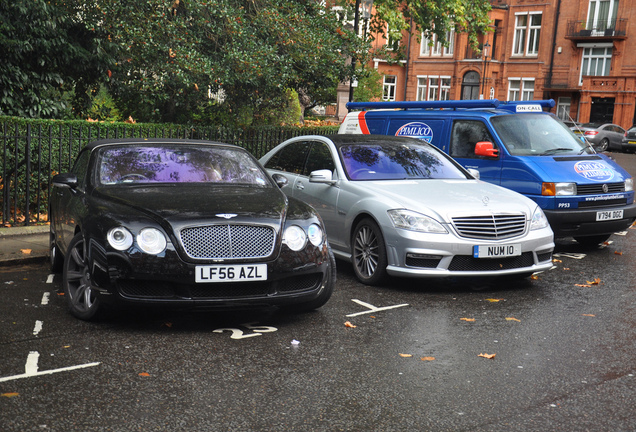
(451, 104)
(448, 104)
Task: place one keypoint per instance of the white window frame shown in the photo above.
(422, 81)
(389, 88)
(520, 89)
(437, 49)
(433, 87)
(389, 45)
(595, 21)
(595, 58)
(563, 108)
(527, 35)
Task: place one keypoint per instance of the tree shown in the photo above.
(46, 50)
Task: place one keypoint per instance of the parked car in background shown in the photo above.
(179, 223)
(628, 143)
(602, 136)
(401, 207)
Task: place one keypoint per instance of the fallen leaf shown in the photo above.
(583, 285)
(468, 319)
(596, 281)
(512, 319)
(10, 395)
(488, 356)
(534, 277)
(618, 253)
(144, 374)
(61, 293)
(589, 315)
(406, 355)
(556, 260)
(25, 251)
(566, 268)
(427, 358)
(494, 300)
(348, 324)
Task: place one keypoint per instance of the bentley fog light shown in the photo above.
(295, 238)
(315, 235)
(120, 238)
(151, 241)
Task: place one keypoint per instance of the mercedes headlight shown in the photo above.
(538, 220)
(410, 220)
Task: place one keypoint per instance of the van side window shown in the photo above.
(319, 158)
(464, 136)
(290, 158)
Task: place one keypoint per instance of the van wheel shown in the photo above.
(368, 253)
(592, 240)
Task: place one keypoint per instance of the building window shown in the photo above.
(421, 89)
(563, 108)
(392, 39)
(596, 61)
(601, 15)
(527, 34)
(433, 88)
(389, 84)
(520, 89)
(436, 49)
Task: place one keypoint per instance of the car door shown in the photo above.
(321, 196)
(465, 134)
(616, 136)
(290, 162)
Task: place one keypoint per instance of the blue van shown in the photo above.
(520, 146)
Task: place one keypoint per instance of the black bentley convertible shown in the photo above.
(183, 223)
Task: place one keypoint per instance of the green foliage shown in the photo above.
(369, 86)
(46, 50)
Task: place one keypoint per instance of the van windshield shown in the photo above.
(537, 135)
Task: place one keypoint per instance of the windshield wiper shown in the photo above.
(555, 150)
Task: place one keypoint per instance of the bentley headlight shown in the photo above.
(151, 241)
(410, 220)
(295, 238)
(315, 235)
(120, 238)
(538, 220)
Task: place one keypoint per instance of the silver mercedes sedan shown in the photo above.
(400, 207)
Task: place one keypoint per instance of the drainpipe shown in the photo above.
(408, 58)
(554, 37)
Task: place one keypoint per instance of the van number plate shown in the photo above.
(230, 273)
(497, 251)
(609, 215)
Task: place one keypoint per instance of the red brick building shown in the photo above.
(577, 52)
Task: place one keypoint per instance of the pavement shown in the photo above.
(21, 245)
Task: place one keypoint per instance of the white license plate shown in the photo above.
(230, 273)
(609, 215)
(497, 251)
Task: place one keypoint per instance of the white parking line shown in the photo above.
(38, 327)
(31, 368)
(50, 278)
(372, 308)
(45, 298)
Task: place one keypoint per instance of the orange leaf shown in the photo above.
(10, 395)
(25, 251)
(348, 324)
(582, 285)
(556, 260)
(488, 356)
(406, 355)
(596, 281)
(468, 319)
(589, 315)
(427, 358)
(494, 300)
(618, 253)
(512, 319)
(144, 374)
(534, 277)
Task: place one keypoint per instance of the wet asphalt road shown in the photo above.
(564, 346)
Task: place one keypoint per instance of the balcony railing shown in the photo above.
(615, 29)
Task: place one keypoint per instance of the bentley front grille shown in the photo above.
(490, 227)
(228, 241)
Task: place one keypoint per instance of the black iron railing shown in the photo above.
(33, 151)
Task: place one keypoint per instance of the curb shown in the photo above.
(25, 230)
